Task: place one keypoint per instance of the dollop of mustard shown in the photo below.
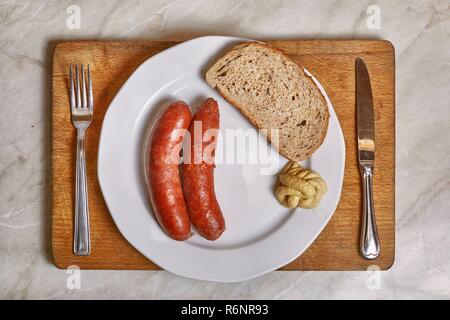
(299, 187)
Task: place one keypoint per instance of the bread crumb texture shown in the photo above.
(274, 93)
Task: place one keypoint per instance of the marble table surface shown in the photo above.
(420, 32)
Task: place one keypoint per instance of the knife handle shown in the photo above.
(370, 242)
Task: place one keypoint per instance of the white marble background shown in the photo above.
(420, 32)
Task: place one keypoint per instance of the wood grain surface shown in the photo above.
(331, 61)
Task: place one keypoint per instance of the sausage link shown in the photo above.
(164, 175)
(197, 173)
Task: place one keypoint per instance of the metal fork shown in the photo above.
(82, 109)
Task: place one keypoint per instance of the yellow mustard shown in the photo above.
(299, 187)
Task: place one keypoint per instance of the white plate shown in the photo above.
(261, 236)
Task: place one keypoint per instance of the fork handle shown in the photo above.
(81, 237)
(370, 242)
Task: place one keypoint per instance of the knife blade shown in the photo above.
(369, 241)
(364, 113)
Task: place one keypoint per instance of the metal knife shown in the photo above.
(369, 242)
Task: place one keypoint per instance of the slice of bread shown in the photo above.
(273, 92)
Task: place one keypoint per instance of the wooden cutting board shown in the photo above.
(331, 61)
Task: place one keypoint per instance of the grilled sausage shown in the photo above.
(197, 173)
(164, 175)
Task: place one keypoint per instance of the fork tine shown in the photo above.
(90, 95)
(78, 104)
(72, 90)
(83, 81)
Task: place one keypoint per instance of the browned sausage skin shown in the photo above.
(164, 175)
(197, 173)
